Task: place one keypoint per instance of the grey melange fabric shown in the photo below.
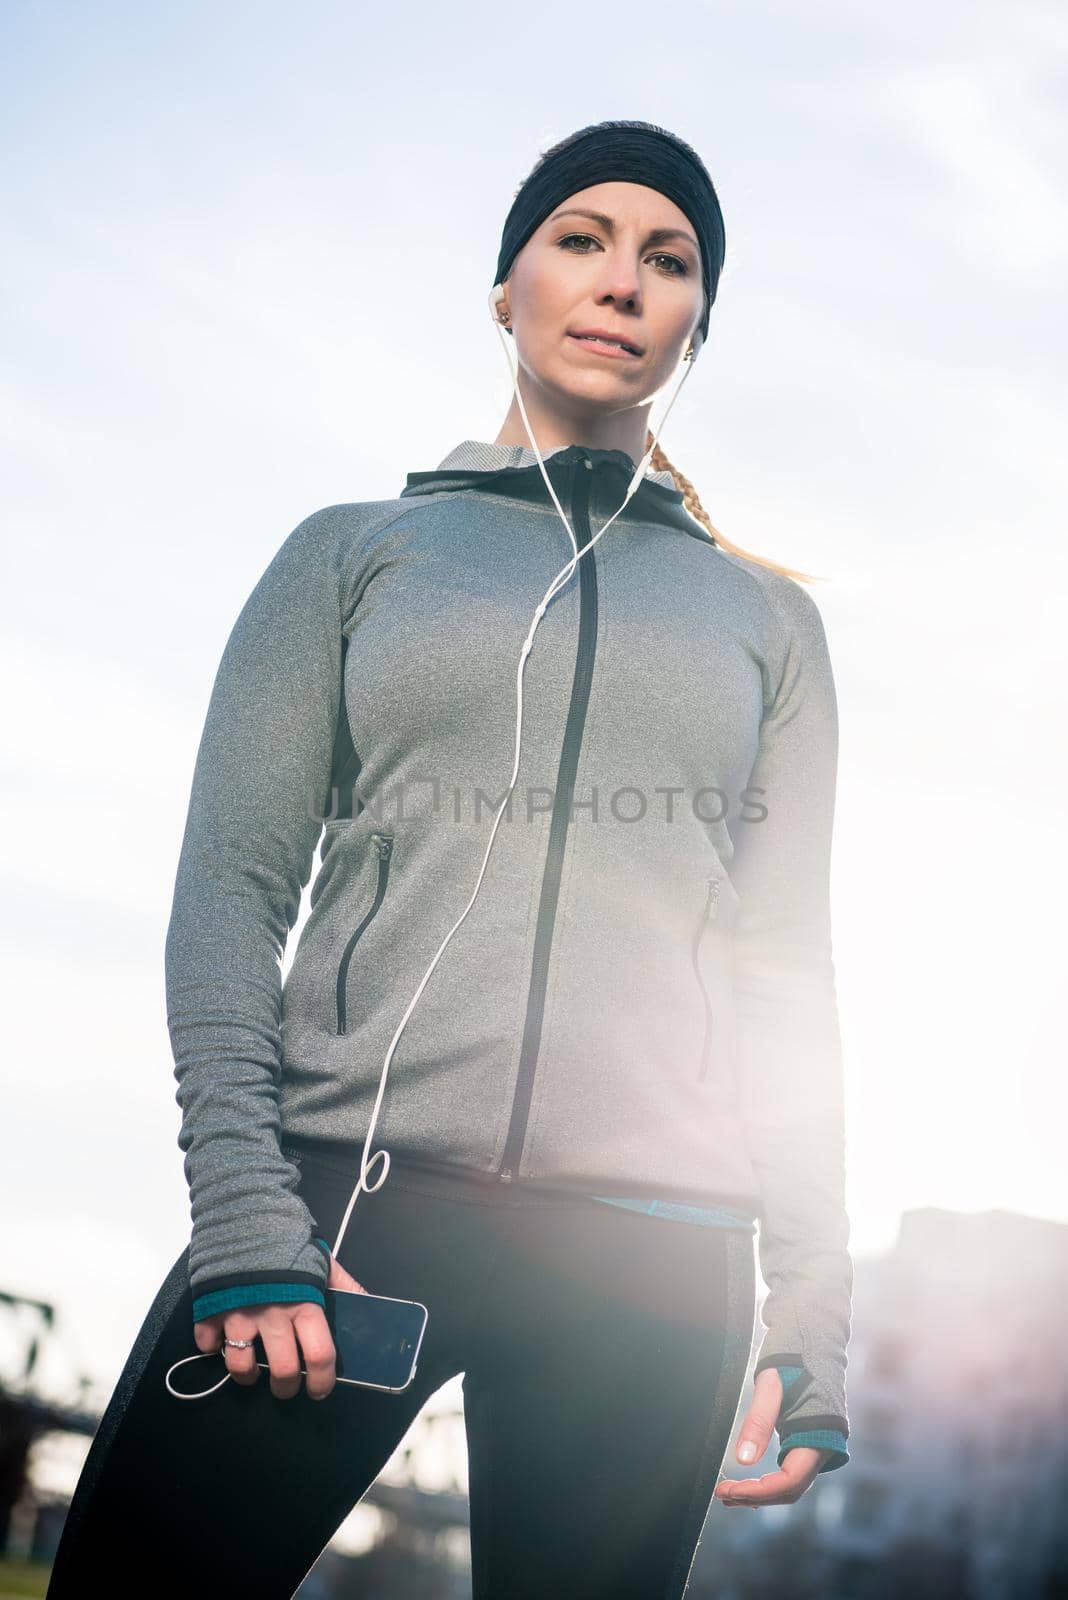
(641, 1000)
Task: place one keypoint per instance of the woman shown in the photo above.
(621, 1047)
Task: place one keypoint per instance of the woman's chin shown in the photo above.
(598, 388)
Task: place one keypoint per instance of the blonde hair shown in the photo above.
(690, 500)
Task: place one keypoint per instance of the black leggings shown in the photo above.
(603, 1352)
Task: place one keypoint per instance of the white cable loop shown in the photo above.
(200, 1394)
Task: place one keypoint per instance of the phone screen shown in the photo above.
(376, 1338)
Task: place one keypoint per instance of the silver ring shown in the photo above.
(240, 1344)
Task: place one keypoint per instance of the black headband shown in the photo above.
(626, 152)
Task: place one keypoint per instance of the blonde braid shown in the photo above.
(660, 463)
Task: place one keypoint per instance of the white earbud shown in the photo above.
(497, 298)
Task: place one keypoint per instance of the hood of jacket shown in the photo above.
(512, 471)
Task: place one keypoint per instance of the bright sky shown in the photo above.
(245, 259)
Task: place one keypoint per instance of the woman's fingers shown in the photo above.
(296, 1337)
(317, 1346)
(280, 1344)
(209, 1333)
(340, 1279)
(241, 1363)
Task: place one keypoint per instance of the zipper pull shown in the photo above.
(382, 843)
(506, 1175)
(713, 896)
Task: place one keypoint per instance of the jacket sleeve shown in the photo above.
(260, 788)
(831, 1439)
(254, 1294)
(789, 1056)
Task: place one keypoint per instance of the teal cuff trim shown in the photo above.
(789, 1375)
(813, 1438)
(819, 1439)
(252, 1294)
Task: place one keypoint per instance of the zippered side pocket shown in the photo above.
(717, 924)
(383, 845)
(710, 912)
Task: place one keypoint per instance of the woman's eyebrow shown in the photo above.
(657, 236)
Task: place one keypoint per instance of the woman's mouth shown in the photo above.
(604, 347)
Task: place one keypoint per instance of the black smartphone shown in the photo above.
(376, 1339)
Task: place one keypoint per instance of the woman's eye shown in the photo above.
(683, 268)
(570, 238)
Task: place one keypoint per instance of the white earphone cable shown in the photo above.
(562, 577)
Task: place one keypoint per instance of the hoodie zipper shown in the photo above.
(581, 476)
(383, 843)
(710, 913)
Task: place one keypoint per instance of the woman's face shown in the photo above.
(634, 271)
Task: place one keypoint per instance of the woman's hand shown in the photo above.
(799, 1468)
(281, 1325)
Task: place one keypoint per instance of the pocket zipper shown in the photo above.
(383, 843)
(710, 913)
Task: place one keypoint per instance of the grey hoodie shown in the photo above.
(641, 1000)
